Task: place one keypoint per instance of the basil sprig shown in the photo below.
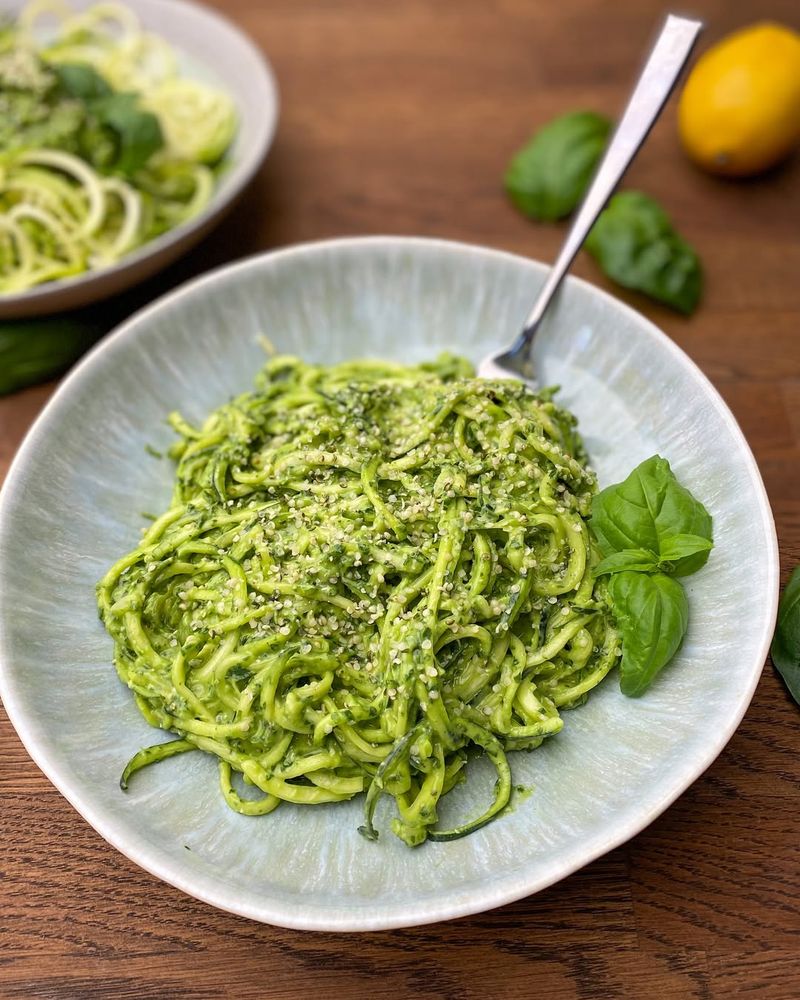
(652, 516)
(636, 245)
(547, 178)
(119, 136)
(650, 529)
(786, 644)
(653, 615)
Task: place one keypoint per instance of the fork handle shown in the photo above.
(657, 79)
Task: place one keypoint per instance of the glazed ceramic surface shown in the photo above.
(73, 501)
(210, 49)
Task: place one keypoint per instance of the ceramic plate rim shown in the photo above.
(309, 917)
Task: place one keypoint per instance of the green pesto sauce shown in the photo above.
(367, 572)
(32, 112)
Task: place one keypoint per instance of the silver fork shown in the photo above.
(652, 89)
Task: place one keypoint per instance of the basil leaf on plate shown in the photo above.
(786, 644)
(651, 511)
(81, 81)
(636, 245)
(119, 136)
(652, 613)
(138, 132)
(629, 559)
(676, 548)
(547, 178)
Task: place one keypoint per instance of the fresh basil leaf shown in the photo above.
(786, 644)
(33, 350)
(629, 559)
(81, 81)
(547, 178)
(652, 613)
(647, 510)
(119, 136)
(138, 132)
(635, 244)
(676, 548)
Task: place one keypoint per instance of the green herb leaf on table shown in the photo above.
(650, 511)
(636, 245)
(786, 644)
(653, 614)
(32, 350)
(547, 178)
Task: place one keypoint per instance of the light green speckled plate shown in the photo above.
(73, 503)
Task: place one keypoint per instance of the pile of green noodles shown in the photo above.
(367, 571)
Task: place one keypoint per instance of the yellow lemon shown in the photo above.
(739, 112)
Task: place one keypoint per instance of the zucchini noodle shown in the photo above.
(65, 218)
(367, 572)
(199, 121)
(61, 215)
(106, 36)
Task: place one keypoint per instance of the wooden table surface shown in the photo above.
(398, 117)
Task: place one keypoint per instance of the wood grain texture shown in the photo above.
(399, 117)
